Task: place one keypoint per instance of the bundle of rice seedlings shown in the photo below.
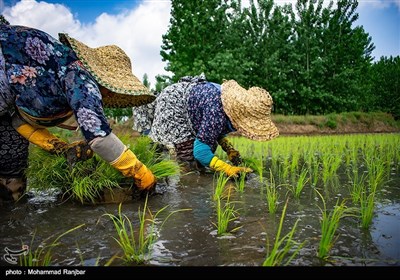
(88, 181)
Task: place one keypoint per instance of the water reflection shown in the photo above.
(188, 238)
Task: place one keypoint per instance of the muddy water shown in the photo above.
(188, 238)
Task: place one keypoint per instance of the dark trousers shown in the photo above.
(13, 161)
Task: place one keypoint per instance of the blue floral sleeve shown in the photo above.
(84, 97)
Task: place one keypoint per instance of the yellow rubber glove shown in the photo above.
(219, 165)
(74, 152)
(43, 138)
(130, 166)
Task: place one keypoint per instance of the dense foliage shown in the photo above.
(312, 56)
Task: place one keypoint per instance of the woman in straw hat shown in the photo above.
(45, 82)
(193, 116)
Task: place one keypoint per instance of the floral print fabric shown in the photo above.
(189, 109)
(143, 117)
(171, 123)
(46, 79)
(206, 114)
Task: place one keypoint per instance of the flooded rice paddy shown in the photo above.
(190, 238)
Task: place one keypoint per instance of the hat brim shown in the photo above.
(249, 111)
(111, 68)
(125, 100)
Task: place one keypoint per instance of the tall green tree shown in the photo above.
(162, 81)
(331, 58)
(146, 82)
(193, 37)
(3, 20)
(348, 58)
(232, 59)
(270, 50)
(311, 57)
(385, 86)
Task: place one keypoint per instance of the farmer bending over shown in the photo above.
(44, 83)
(193, 116)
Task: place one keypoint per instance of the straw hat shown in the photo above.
(112, 69)
(249, 110)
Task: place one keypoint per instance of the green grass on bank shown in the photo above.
(334, 121)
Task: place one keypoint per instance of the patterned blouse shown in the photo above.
(207, 115)
(45, 79)
(189, 109)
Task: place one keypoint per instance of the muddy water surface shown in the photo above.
(188, 238)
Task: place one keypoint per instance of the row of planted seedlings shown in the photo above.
(95, 181)
(283, 249)
(136, 245)
(345, 174)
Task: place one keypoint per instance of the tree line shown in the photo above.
(312, 57)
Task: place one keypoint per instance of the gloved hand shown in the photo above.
(130, 166)
(42, 138)
(77, 151)
(73, 152)
(218, 165)
(235, 158)
(233, 155)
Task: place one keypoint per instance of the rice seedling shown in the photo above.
(256, 165)
(240, 182)
(301, 182)
(367, 203)
(283, 246)
(377, 173)
(43, 255)
(86, 186)
(272, 194)
(221, 180)
(226, 213)
(294, 164)
(44, 170)
(286, 166)
(357, 186)
(329, 225)
(137, 245)
(330, 164)
(165, 168)
(315, 173)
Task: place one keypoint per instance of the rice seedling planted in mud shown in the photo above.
(367, 206)
(225, 209)
(357, 186)
(43, 254)
(330, 165)
(137, 245)
(301, 182)
(220, 182)
(240, 182)
(256, 165)
(271, 193)
(283, 245)
(226, 213)
(329, 225)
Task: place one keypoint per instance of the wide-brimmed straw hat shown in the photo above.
(249, 110)
(112, 69)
